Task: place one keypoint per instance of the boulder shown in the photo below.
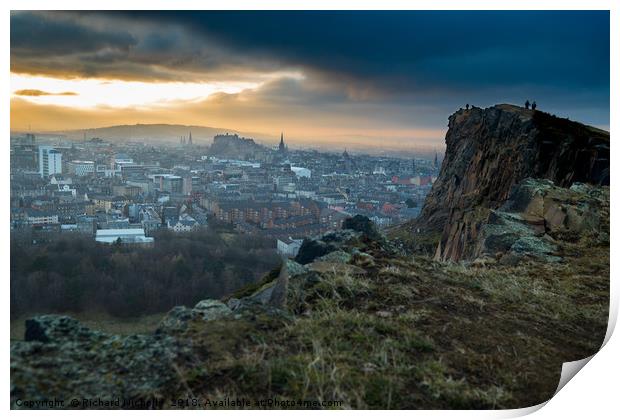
(343, 238)
(263, 294)
(532, 246)
(63, 359)
(539, 213)
(211, 309)
(178, 318)
(54, 328)
(501, 231)
(363, 225)
(346, 240)
(311, 249)
(233, 303)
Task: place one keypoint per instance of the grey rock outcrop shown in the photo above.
(363, 225)
(62, 358)
(338, 256)
(179, 316)
(49, 328)
(537, 214)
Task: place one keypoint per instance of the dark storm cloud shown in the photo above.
(70, 44)
(414, 48)
(397, 49)
(431, 58)
(48, 34)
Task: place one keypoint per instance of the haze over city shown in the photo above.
(380, 79)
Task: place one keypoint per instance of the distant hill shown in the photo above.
(159, 133)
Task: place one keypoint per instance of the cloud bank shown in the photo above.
(382, 74)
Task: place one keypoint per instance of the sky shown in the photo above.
(386, 79)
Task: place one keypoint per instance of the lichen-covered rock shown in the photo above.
(46, 328)
(363, 225)
(512, 233)
(501, 231)
(295, 269)
(538, 213)
(272, 293)
(211, 309)
(263, 294)
(531, 246)
(577, 209)
(338, 256)
(343, 238)
(177, 319)
(233, 303)
(63, 359)
(343, 241)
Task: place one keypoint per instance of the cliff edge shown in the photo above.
(488, 152)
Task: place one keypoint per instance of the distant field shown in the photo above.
(98, 321)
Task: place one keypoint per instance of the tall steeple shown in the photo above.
(436, 160)
(190, 138)
(282, 147)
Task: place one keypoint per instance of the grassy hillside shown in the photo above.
(413, 333)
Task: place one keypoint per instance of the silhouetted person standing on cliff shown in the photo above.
(466, 106)
(527, 104)
(533, 105)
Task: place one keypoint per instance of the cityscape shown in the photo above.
(123, 192)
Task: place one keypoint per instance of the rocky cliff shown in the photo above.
(488, 152)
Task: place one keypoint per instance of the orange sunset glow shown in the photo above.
(75, 71)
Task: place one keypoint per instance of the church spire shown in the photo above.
(282, 147)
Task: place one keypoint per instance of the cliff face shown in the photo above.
(489, 151)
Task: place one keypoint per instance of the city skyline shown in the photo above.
(379, 79)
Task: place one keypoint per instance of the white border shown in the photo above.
(592, 394)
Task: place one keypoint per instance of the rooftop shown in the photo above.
(119, 232)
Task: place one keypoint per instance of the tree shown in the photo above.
(74, 274)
